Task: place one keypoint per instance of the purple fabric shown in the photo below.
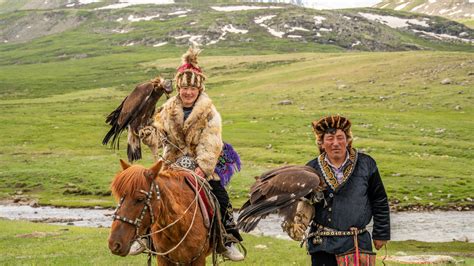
(227, 164)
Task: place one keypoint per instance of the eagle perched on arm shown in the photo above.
(283, 190)
(135, 112)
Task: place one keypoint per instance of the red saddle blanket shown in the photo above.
(204, 197)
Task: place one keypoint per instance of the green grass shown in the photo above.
(28, 243)
(467, 22)
(417, 129)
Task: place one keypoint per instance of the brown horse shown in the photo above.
(163, 202)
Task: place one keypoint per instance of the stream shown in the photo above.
(435, 226)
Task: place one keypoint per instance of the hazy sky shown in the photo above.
(328, 4)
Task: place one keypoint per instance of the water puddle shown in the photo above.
(61, 216)
(436, 226)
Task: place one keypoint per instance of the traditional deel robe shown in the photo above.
(198, 137)
(353, 203)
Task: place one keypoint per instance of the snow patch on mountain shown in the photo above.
(132, 18)
(241, 8)
(443, 36)
(449, 9)
(160, 44)
(292, 29)
(260, 21)
(179, 12)
(227, 29)
(393, 22)
(402, 6)
(127, 3)
(318, 19)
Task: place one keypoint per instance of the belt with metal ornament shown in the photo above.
(187, 162)
(322, 230)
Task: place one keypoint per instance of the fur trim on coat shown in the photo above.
(200, 136)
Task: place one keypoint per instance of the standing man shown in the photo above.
(355, 194)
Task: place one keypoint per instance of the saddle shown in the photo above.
(210, 212)
(205, 198)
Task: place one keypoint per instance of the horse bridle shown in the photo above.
(138, 221)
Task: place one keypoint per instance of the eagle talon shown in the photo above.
(295, 230)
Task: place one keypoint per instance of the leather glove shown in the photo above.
(148, 135)
(296, 229)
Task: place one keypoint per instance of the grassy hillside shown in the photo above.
(417, 129)
(49, 35)
(467, 22)
(68, 245)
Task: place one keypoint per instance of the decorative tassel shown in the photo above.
(191, 57)
(227, 164)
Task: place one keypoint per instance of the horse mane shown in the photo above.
(128, 181)
(133, 179)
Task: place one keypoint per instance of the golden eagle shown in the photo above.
(279, 190)
(135, 112)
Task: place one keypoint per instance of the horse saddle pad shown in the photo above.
(205, 199)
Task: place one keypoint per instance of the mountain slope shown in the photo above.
(454, 9)
(277, 27)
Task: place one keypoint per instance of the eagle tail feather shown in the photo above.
(116, 130)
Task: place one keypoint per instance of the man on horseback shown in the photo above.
(188, 129)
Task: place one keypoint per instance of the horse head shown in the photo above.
(138, 196)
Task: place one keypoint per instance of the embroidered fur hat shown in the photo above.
(189, 73)
(330, 124)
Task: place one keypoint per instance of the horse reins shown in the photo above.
(137, 222)
(164, 254)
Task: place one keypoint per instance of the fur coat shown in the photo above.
(199, 136)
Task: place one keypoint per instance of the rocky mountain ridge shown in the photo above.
(216, 25)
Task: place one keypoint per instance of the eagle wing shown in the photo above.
(134, 104)
(278, 190)
(133, 113)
